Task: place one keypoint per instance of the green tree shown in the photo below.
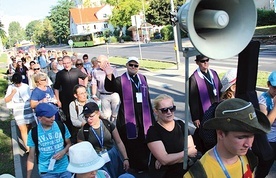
(158, 11)
(31, 28)
(59, 17)
(44, 32)
(2, 31)
(3, 35)
(86, 3)
(121, 14)
(16, 33)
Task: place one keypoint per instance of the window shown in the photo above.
(105, 25)
(104, 15)
(95, 27)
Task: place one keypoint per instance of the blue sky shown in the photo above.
(24, 11)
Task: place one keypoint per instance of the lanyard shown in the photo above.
(136, 86)
(100, 140)
(212, 83)
(209, 81)
(222, 165)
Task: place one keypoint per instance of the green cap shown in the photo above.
(238, 115)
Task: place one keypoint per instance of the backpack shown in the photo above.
(198, 171)
(35, 138)
(87, 126)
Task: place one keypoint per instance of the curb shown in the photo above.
(16, 151)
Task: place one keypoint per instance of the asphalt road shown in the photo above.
(165, 52)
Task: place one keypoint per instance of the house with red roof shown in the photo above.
(90, 20)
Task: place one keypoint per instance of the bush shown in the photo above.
(167, 33)
(127, 38)
(266, 17)
(113, 39)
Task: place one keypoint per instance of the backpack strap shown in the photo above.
(35, 140)
(77, 108)
(35, 137)
(197, 170)
(87, 126)
(86, 131)
(252, 160)
(107, 125)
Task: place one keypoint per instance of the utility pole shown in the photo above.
(175, 39)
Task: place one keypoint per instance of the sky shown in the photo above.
(24, 11)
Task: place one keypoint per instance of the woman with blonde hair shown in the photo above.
(165, 140)
(42, 93)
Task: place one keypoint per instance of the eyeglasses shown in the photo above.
(165, 110)
(36, 68)
(79, 64)
(43, 79)
(85, 58)
(90, 116)
(135, 65)
(83, 93)
(203, 61)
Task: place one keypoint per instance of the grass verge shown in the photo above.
(6, 154)
(266, 30)
(146, 64)
(157, 65)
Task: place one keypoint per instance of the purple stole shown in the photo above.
(203, 91)
(129, 110)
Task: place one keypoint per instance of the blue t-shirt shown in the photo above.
(266, 100)
(41, 60)
(38, 94)
(50, 142)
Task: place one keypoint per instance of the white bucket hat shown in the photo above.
(83, 158)
(228, 79)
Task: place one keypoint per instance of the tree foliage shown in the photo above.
(122, 12)
(86, 3)
(16, 33)
(158, 11)
(59, 17)
(3, 35)
(2, 31)
(31, 28)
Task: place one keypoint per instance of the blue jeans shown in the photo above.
(65, 174)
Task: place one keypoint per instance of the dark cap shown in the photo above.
(89, 108)
(238, 115)
(46, 110)
(200, 57)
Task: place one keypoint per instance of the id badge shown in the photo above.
(105, 156)
(215, 92)
(52, 164)
(139, 97)
(23, 77)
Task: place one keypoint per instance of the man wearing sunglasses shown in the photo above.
(204, 90)
(135, 112)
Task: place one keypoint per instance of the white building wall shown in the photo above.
(265, 4)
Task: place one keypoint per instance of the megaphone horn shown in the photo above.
(218, 29)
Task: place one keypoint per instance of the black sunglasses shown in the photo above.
(135, 65)
(79, 64)
(36, 68)
(165, 110)
(203, 61)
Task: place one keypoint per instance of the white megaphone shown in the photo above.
(218, 29)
